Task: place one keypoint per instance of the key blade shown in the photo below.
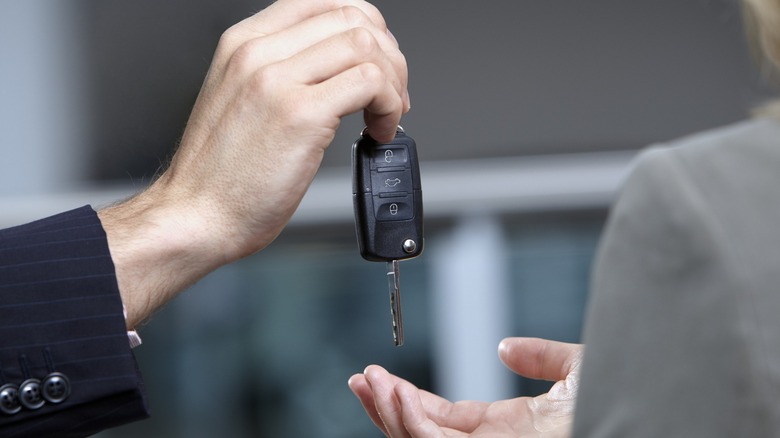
(393, 283)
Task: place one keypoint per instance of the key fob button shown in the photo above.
(391, 182)
(390, 155)
(397, 208)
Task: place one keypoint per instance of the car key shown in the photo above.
(387, 197)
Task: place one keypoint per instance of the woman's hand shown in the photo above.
(400, 410)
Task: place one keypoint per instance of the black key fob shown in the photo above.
(387, 197)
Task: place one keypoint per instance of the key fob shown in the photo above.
(387, 197)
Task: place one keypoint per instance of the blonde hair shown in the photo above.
(762, 21)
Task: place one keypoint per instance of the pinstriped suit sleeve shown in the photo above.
(61, 312)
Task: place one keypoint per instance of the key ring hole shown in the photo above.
(399, 130)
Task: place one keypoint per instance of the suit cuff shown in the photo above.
(60, 318)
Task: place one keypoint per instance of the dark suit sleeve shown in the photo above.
(63, 341)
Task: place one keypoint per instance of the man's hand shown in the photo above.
(278, 86)
(400, 410)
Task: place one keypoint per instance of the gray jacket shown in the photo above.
(683, 324)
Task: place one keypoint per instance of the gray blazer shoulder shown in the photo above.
(683, 325)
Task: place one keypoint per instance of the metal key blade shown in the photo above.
(393, 283)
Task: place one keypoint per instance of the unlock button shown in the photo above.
(395, 208)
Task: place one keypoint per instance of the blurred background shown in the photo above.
(526, 114)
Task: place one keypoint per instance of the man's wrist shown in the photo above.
(158, 250)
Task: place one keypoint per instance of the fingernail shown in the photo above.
(502, 347)
(407, 100)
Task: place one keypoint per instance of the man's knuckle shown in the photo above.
(371, 73)
(354, 17)
(263, 81)
(363, 41)
(242, 55)
(229, 37)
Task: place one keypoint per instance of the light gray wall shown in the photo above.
(44, 133)
(488, 78)
(537, 76)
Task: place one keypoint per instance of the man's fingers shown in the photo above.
(268, 49)
(361, 87)
(341, 52)
(372, 83)
(539, 358)
(343, 74)
(287, 13)
(316, 61)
